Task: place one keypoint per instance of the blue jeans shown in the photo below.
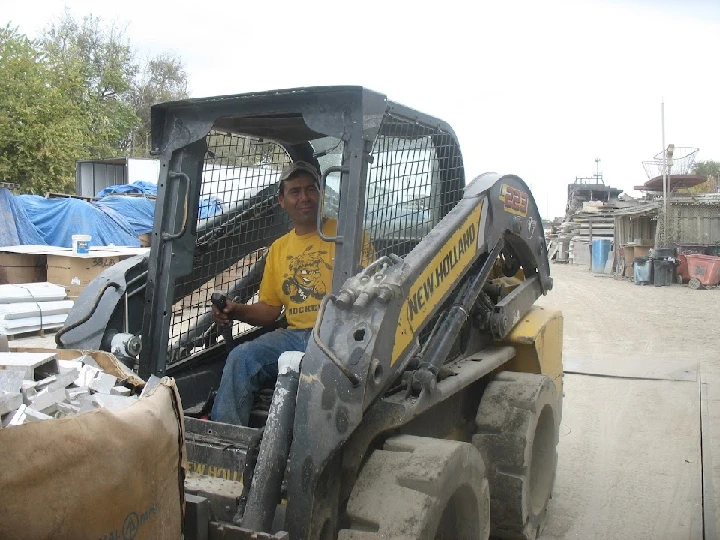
(250, 366)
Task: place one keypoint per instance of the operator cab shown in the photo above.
(386, 170)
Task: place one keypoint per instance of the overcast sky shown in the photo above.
(535, 88)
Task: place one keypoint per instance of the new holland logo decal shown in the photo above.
(441, 274)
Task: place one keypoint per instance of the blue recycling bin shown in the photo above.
(600, 251)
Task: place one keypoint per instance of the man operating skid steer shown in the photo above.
(298, 274)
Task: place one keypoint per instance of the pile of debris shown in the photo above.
(595, 220)
(589, 215)
(39, 386)
(30, 307)
(570, 240)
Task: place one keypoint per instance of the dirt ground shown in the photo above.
(641, 412)
(636, 442)
(604, 315)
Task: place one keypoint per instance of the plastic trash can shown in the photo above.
(662, 272)
(642, 271)
(600, 251)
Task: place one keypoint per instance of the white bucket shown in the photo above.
(81, 243)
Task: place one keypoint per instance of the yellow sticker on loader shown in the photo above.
(515, 200)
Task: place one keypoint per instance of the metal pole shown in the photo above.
(597, 170)
(665, 186)
(591, 239)
(669, 194)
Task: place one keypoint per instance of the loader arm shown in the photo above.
(368, 334)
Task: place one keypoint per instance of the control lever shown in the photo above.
(219, 300)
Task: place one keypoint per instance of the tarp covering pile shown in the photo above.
(138, 212)
(58, 220)
(15, 225)
(113, 220)
(136, 188)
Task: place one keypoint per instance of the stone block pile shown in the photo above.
(39, 386)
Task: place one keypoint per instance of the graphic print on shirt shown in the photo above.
(305, 280)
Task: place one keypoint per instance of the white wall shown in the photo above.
(146, 170)
(235, 184)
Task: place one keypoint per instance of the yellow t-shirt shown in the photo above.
(298, 273)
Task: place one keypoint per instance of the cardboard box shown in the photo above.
(74, 272)
(22, 268)
(144, 240)
(60, 265)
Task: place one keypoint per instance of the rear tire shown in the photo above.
(419, 487)
(517, 433)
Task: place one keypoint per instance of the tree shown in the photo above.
(42, 132)
(162, 79)
(100, 61)
(75, 93)
(711, 171)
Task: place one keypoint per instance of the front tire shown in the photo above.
(518, 424)
(419, 487)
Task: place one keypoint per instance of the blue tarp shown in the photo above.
(16, 228)
(138, 211)
(58, 220)
(138, 187)
(114, 219)
(209, 206)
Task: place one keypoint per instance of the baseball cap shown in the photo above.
(299, 166)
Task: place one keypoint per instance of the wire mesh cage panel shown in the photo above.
(691, 223)
(236, 226)
(414, 179)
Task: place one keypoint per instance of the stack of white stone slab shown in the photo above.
(26, 292)
(31, 316)
(32, 306)
(38, 386)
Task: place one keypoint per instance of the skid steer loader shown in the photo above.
(428, 401)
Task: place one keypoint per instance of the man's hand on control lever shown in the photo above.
(257, 314)
(222, 308)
